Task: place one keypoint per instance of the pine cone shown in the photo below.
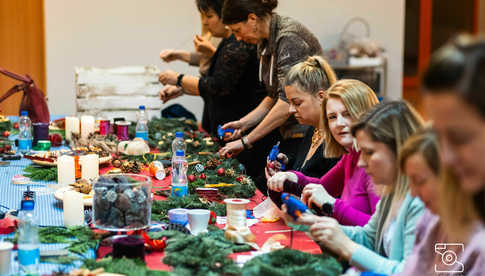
(230, 172)
(212, 163)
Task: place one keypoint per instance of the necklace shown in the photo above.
(317, 137)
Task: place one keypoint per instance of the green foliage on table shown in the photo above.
(123, 266)
(40, 173)
(66, 260)
(79, 239)
(5, 124)
(288, 262)
(204, 254)
(160, 207)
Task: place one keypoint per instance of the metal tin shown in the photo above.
(43, 145)
(104, 127)
(122, 130)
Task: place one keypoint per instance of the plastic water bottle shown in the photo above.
(25, 132)
(179, 174)
(178, 143)
(142, 123)
(28, 241)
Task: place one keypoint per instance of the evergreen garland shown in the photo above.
(204, 254)
(39, 173)
(289, 262)
(160, 207)
(123, 266)
(79, 239)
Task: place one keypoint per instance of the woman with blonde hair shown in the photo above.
(419, 160)
(306, 85)
(346, 187)
(382, 245)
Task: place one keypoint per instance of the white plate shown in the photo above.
(59, 195)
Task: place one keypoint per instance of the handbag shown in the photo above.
(33, 99)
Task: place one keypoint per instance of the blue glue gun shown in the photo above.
(221, 133)
(294, 206)
(273, 155)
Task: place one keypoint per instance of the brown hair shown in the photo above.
(357, 98)
(391, 123)
(424, 142)
(312, 75)
(235, 11)
(458, 67)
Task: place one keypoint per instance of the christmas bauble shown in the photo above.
(199, 168)
(221, 172)
(191, 178)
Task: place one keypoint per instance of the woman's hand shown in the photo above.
(233, 148)
(328, 232)
(204, 46)
(170, 92)
(238, 126)
(315, 194)
(273, 167)
(277, 181)
(168, 77)
(169, 55)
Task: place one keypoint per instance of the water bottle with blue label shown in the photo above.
(28, 241)
(25, 132)
(142, 123)
(179, 174)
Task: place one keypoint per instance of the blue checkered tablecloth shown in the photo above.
(48, 210)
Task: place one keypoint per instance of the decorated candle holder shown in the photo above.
(237, 229)
(122, 202)
(41, 132)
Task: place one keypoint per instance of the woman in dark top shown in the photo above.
(231, 88)
(305, 87)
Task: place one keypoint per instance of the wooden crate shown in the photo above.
(118, 91)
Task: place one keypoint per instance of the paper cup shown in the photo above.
(198, 220)
(178, 216)
(5, 251)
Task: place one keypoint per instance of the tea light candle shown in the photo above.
(65, 170)
(89, 166)
(72, 126)
(87, 126)
(73, 208)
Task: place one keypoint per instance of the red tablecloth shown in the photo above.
(300, 240)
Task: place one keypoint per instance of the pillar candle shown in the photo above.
(72, 126)
(73, 208)
(89, 166)
(65, 170)
(87, 126)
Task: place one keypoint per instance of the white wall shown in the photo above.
(122, 32)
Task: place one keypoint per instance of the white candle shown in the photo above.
(72, 126)
(65, 170)
(73, 208)
(89, 166)
(87, 126)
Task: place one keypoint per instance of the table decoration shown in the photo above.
(87, 126)
(65, 170)
(73, 126)
(73, 209)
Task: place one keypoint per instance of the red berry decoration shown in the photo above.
(212, 218)
(6, 133)
(16, 125)
(221, 172)
(191, 178)
(239, 178)
(202, 176)
(56, 139)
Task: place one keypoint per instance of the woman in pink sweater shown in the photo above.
(346, 187)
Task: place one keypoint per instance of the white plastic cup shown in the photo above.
(5, 257)
(198, 220)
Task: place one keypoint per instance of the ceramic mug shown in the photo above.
(198, 220)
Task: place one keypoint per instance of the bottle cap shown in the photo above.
(24, 113)
(27, 205)
(141, 107)
(179, 153)
(179, 134)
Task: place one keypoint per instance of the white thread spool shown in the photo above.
(236, 212)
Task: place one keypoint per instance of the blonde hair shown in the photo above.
(457, 211)
(357, 98)
(312, 75)
(424, 142)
